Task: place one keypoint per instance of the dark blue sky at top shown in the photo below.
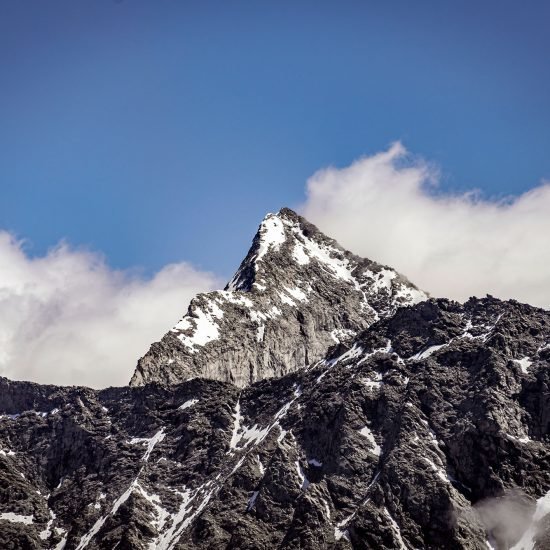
(161, 131)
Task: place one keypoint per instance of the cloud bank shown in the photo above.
(388, 207)
(67, 318)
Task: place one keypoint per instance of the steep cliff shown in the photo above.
(296, 293)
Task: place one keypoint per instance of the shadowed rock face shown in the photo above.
(424, 432)
(296, 293)
(423, 426)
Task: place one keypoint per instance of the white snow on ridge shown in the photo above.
(306, 249)
(234, 298)
(151, 442)
(260, 465)
(253, 435)
(296, 293)
(299, 254)
(411, 295)
(382, 279)
(439, 471)
(183, 518)
(286, 299)
(368, 355)
(272, 235)
(204, 329)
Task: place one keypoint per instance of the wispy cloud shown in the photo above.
(388, 207)
(67, 318)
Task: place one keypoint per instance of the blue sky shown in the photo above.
(163, 131)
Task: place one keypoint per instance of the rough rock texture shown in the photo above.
(430, 430)
(312, 404)
(296, 293)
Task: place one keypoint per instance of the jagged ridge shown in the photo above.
(392, 441)
(296, 293)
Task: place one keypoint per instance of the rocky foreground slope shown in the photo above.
(429, 428)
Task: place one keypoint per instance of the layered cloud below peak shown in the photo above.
(389, 208)
(68, 318)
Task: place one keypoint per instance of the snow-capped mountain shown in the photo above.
(296, 293)
(421, 424)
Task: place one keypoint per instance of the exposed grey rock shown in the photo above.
(296, 293)
(421, 433)
(352, 422)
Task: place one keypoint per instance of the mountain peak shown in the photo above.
(277, 235)
(296, 293)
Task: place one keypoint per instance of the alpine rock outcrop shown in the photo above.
(296, 293)
(359, 415)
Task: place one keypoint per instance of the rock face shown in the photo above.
(393, 424)
(429, 430)
(296, 293)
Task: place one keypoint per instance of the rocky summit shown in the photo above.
(296, 293)
(319, 401)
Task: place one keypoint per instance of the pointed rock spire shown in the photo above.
(296, 293)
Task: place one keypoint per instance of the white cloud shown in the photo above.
(387, 207)
(67, 318)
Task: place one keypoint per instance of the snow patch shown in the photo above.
(524, 363)
(523, 439)
(373, 382)
(235, 436)
(382, 279)
(299, 254)
(6, 453)
(161, 515)
(365, 432)
(304, 482)
(296, 293)
(286, 299)
(260, 465)
(439, 471)
(46, 533)
(202, 325)
(16, 518)
(424, 354)
(187, 404)
(252, 500)
(341, 334)
(396, 530)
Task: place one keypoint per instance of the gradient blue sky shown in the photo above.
(161, 131)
